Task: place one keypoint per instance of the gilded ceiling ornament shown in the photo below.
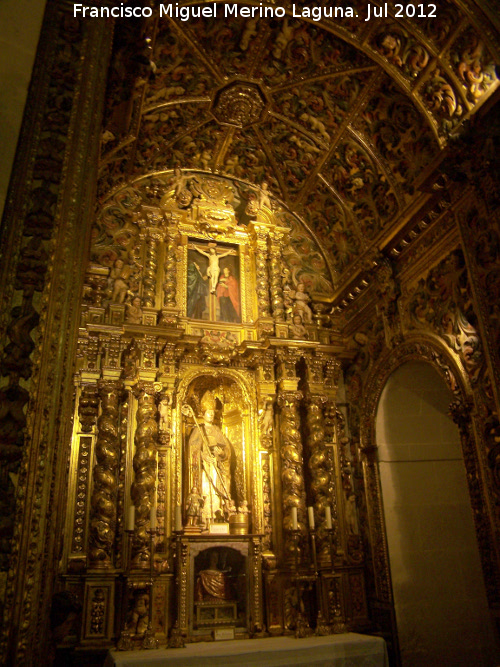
(239, 103)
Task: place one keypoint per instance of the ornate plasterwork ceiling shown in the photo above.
(339, 118)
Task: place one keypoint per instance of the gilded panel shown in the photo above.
(299, 49)
(296, 153)
(180, 71)
(236, 42)
(333, 226)
(398, 133)
(321, 106)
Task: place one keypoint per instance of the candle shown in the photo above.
(310, 512)
(131, 518)
(178, 518)
(328, 517)
(152, 517)
(294, 518)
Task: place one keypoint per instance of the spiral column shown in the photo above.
(292, 472)
(105, 477)
(170, 284)
(144, 463)
(319, 467)
(260, 245)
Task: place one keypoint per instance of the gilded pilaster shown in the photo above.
(144, 464)
(105, 479)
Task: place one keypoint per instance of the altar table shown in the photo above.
(347, 650)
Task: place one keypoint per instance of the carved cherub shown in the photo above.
(249, 31)
(297, 329)
(264, 200)
(266, 418)
(119, 276)
(138, 620)
(133, 312)
(301, 299)
(164, 410)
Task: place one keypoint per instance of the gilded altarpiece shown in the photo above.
(205, 426)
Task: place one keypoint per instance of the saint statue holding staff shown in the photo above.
(210, 457)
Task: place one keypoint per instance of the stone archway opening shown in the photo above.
(439, 593)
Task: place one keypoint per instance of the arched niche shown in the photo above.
(235, 418)
(435, 568)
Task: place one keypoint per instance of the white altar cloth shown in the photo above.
(347, 650)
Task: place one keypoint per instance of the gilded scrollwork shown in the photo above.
(275, 264)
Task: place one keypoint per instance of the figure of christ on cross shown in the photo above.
(214, 254)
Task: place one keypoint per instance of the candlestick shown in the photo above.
(294, 518)
(131, 518)
(178, 518)
(328, 516)
(310, 512)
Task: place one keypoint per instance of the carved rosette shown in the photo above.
(170, 284)
(105, 477)
(276, 263)
(319, 467)
(143, 486)
(292, 472)
(260, 240)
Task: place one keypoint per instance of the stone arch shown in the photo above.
(429, 349)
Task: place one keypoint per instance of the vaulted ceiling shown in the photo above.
(340, 118)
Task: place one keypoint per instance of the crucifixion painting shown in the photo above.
(213, 282)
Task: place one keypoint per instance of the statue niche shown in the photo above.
(213, 479)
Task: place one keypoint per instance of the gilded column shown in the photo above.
(318, 466)
(170, 284)
(260, 246)
(150, 224)
(149, 280)
(292, 470)
(144, 463)
(276, 263)
(120, 504)
(105, 478)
